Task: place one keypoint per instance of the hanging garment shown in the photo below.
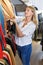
(2, 36)
(7, 62)
(11, 28)
(14, 42)
(2, 18)
(2, 42)
(11, 42)
(7, 10)
(1, 53)
(11, 39)
(8, 48)
(6, 15)
(7, 56)
(2, 62)
(7, 7)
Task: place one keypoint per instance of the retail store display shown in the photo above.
(7, 49)
(7, 54)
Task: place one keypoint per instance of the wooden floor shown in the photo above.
(37, 55)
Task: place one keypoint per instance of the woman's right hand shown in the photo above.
(13, 20)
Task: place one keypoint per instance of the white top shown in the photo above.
(28, 31)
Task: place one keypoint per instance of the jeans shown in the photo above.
(25, 53)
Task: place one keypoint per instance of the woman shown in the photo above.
(24, 35)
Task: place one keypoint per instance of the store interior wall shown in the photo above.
(16, 2)
(37, 3)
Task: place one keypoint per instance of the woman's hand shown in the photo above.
(13, 20)
(18, 31)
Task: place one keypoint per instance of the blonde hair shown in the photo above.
(34, 14)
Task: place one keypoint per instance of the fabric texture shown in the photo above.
(7, 8)
(2, 41)
(2, 62)
(11, 54)
(7, 56)
(2, 36)
(2, 18)
(12, 43)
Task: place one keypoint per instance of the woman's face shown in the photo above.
(28, 12)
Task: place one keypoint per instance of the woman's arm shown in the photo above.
(18, 31)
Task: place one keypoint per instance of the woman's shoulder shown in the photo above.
(32, 23)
